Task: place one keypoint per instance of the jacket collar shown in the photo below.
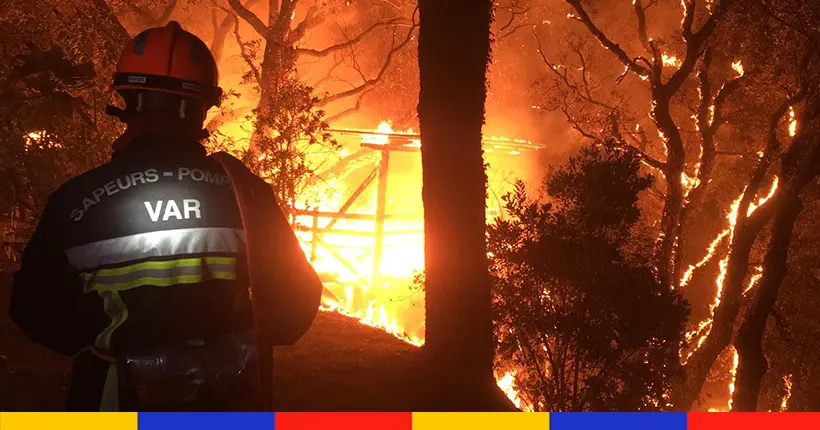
(158, 135)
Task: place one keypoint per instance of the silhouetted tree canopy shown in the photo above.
(583, 320)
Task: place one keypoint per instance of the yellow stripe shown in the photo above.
(167, 264)
(68, 421)
(481, 421)
(161, 282)
(110, 401)
(116, 310)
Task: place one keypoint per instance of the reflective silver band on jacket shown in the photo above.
(165, 243)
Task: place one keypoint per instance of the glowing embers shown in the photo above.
(787, 386)
(670, 61)
(737, 66)
(39, 140)
(733, 375)
(792, 122)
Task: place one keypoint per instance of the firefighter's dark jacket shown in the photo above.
(146, 249)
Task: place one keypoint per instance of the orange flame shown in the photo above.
(737, 66)
(792, 122)
(787, 384)
(705, 327)
(670, 60)
(507, 384)
(733, 374)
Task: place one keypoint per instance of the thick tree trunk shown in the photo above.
(673, 205)
(454, 51)
(800, 165)
(752, 365)
(720, 336)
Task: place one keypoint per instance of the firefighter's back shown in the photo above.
(138, 268)
(157, 235)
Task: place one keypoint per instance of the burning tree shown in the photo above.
(287, 126)
(700, 97)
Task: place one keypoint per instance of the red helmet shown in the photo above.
(169, 60)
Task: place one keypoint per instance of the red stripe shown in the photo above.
(752, 421)
(344, 421)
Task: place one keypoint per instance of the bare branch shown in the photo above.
(312, 19)
(688, 18)
(720, 100)
(584, 17)
(273, 11)
(695, 42)
(514, 13)
(369, 83)
(244, 52)
(249, 17)
(285, 14)
(640, 13)
(349, 111)
(705, 110)
(575, 125)
(329, 75)
(620, 142)
(584, 94)
(338, 47)
(514, 30)
(221, 29)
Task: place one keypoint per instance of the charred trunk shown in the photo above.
(800, 164)
(720, 335)
(673, 206)
(454, 52)
(752, 364)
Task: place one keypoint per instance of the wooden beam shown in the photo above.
(381, 208)
(354, 216)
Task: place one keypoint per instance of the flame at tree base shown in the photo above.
(379, 318)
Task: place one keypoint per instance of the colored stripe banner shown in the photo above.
(408, 421)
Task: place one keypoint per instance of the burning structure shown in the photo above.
(367, 239)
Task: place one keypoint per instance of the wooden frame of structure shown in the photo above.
(385, 143)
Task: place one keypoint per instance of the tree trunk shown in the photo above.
(673, 205)
(454, 51)
(752, 365)
(720, 335)
(800, 165)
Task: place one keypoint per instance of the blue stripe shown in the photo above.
(618, 421)
(206, 421)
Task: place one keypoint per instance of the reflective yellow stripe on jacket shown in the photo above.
(160, 273)
(161, 258)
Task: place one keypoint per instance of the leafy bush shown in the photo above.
(579, 312)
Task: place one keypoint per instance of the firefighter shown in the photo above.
(138, 269)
